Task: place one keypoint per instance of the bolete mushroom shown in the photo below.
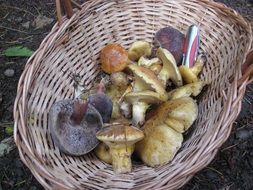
(114, 58)
(103, 153)
(143, 61)
(102, 103)
(119, 79)
(121, 140)
(163, 131)
(145, 79)
(169, 69)
(190, 75)
(144, 82)
(156, 68)
(159, 145)
(173, 40)
(140, 103)
(138, 49)
(192, 89)
(116, 91)
(154, 64)
(73, 126)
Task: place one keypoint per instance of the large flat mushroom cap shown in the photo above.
(71, 137)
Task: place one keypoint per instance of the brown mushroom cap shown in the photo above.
(120, 134)
(74, 133)
(173, 40)
(113, 58)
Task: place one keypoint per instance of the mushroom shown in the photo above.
(163, 131)
(102, 103)
(102, 152)
(114, 58)
(73, 126)
(184, 110)
(148, 62)
(156, 68)
(192, 89)
(145, 79)
(169, 69)
(154, 64)
(190, 75)
(140, 103)
(138, 49)
(173, 40)
(120, 140)
(116, 91)
(119, 79)
(159, 146)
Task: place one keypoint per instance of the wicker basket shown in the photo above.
(73, 46)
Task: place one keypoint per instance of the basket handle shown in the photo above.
(247, 69)
(67, 7)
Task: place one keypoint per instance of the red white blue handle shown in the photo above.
(191, 46)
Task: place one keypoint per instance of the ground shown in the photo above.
(232, 168)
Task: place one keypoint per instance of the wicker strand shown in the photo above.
(73, 46)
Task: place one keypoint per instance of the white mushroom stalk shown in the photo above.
(141, 102)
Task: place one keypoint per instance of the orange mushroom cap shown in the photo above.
(114, 58)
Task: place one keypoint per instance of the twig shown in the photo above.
(229, 147)
(6, 123)
(19, 183)
(21, 31)
(215, 171)
(11, 7)
(13, 29)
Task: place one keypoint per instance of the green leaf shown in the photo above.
(9, 130)
(18, 51)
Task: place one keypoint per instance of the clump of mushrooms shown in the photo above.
(147, 89)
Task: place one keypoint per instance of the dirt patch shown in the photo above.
(232, 167)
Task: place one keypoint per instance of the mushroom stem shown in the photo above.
(139, 111)
(121, 157)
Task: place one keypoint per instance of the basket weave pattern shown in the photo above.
(74, 47)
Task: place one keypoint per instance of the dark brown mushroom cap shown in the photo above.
(70, 135)
(172, 40)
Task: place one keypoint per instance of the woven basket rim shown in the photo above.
(29, 157)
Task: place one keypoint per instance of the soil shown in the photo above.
(232, 168)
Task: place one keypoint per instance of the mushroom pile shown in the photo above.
(143, 104)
